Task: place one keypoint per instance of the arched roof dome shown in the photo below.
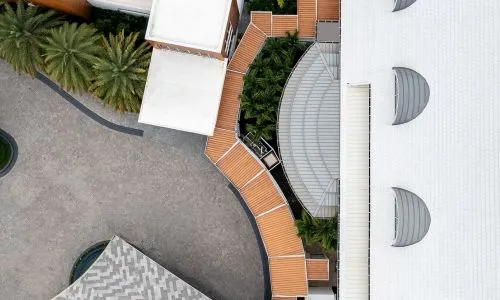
(402, 4)
(413, 218)
(412, 95)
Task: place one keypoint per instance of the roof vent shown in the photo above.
(402, 4)
(412, 95)
(412, 218)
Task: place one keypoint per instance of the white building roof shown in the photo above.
(199, 24)
(183, 91)
(140, 7)
(448, 155)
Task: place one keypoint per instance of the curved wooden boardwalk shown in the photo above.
(287, 261)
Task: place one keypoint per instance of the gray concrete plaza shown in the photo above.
(76, 183)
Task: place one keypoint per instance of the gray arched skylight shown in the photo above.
(402, 4)
(412, 218)
(309, 129)
(412, 95)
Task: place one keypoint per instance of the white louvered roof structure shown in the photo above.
(355, 199)
(309, 129)
(448, 155)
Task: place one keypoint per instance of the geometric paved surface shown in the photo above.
(123, 272)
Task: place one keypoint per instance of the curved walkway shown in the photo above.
(287, 263)
(80, 106)
(76, 183)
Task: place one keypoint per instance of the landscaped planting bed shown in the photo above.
(264, 83)
(109, 58)
(260, 99)
(278, 7)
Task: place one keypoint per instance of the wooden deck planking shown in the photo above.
(219, 143)
(307, 17)
(284, 24)
(263, 20)
(239, 166)
(249, 47)
(329, 10)
(279, 233)
(229, 108)
(288, 276)
(317, 269)
(261, 195)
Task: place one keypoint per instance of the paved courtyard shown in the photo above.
(76, 183)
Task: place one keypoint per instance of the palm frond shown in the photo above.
(121, 72)
(70, 52)
(22, 33)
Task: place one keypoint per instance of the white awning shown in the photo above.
(355, 193)
(198, 24)
(183, 91)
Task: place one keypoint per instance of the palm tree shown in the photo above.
(70, 52)
(325, 233)
(316, 230)
(306, 227)
(264, 84)
(122, 72)
(22, 33)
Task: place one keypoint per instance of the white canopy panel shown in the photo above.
(183, 91)
(199, 24)
(354, 218)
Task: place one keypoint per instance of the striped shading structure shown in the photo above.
(123, 272)
(262, 195)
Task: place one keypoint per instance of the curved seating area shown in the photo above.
(287, 261)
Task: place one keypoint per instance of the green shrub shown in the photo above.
(113, 22)
(265, 81)
(316, 230)
(279, 7)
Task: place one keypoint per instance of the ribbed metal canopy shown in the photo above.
(412, 95)
(413, 218)
(309, 129)
(402, 4)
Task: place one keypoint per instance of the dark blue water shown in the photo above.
(86, 260)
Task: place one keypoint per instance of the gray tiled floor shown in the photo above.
(76, 183)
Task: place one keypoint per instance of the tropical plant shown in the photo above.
(122, 72)
(318, 230)
(113, 22)
(22, 33)
(70, 52)
(264, 84)
(288, 7)
(305, 227)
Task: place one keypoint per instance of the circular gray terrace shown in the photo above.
(77, 182)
